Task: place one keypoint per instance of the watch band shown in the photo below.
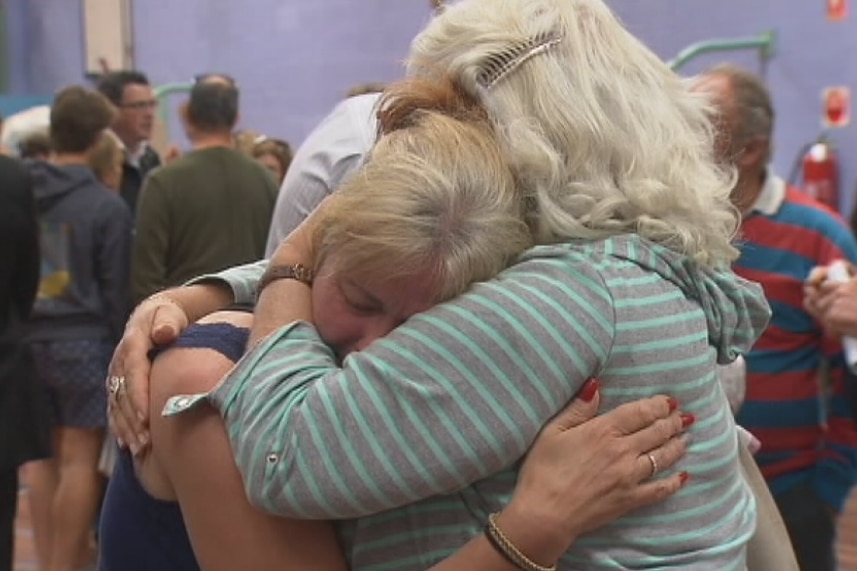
(298, 272)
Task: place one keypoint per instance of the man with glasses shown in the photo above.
(133, 96)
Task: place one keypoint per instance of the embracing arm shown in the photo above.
(556, 499)
(193, 450)
(443, 401)
(240, 280)
(157, 320)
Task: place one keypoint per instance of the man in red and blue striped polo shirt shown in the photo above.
(809, 443)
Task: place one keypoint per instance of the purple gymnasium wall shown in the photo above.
(295, 58)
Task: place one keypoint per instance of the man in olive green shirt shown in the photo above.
(209, 209)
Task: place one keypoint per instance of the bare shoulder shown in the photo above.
(236, 318)
(186, 370)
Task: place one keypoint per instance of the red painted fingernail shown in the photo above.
(673, 404)
(683, 478)
(590, 387)
(687, 420)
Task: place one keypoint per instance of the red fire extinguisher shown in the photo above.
(821, 174)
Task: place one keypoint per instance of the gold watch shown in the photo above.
(297, 272)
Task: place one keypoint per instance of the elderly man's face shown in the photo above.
(720, 90)
(748, 155)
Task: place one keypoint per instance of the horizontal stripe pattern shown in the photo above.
(802, 435)
(417, 438)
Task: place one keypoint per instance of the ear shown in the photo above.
(183, 111)
(755, 153)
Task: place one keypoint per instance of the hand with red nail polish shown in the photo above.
(559, 497)
(158, 320)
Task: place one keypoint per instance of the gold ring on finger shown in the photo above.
(654, 464)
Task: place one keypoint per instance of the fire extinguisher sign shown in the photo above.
(837, 10)
(837, 107)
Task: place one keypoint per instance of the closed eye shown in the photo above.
(359, 299)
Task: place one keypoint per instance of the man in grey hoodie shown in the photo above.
(79, 314)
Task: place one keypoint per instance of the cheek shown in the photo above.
(338, 327)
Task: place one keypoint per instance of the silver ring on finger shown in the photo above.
(115, 386)
(654, 464)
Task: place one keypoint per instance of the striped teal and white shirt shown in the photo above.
(415, 440)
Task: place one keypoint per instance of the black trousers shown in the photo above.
(8, 507)
(811, 527)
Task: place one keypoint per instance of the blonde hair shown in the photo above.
(365, 89)
(604, 138)
(244, 141)
(103, 158)
(435, 194)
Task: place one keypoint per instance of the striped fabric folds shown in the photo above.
(414, 441)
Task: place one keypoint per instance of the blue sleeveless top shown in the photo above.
(138, 532)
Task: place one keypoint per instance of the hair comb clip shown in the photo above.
(498, 65)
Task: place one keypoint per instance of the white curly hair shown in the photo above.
(603, 136)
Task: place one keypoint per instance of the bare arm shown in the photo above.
(271, 312)
(225, 530)
(556, 499)
(157, 320)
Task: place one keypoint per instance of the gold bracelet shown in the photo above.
(297, 272)
(508, 550)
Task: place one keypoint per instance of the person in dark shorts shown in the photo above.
(79, 313)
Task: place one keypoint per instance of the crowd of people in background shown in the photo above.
(96, 174)
(103, 224)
